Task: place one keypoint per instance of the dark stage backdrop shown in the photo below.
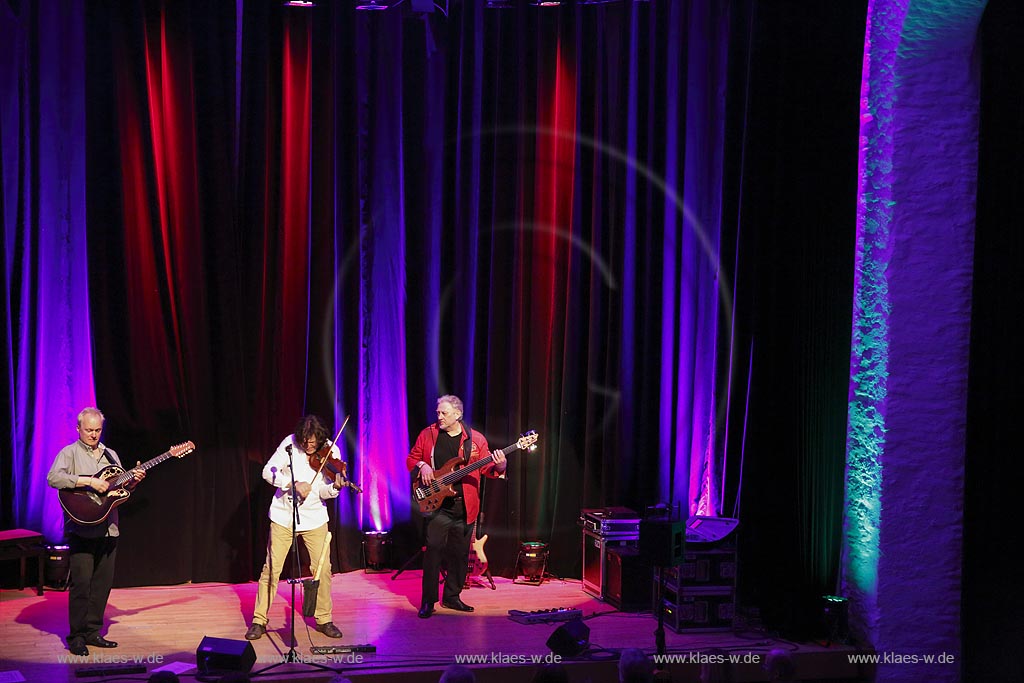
(993, 597)
(795, 208)
(351, 213)
(629, 226)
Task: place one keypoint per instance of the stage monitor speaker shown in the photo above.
(662, 541)
(221, 654)
(570, 639)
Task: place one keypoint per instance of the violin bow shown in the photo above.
(333, 443)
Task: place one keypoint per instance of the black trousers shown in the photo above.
(448, 540)
(92, 575)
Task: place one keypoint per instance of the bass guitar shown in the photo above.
(88, 507)
(477, 558)
(430, 496)
(478, 561)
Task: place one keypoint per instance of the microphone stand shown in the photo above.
(659, 633)
(292, 656)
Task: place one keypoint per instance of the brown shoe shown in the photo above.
(329, 629)
(256, 631)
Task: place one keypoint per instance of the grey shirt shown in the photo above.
(76, 460)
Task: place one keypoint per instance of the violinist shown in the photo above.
(306, 450)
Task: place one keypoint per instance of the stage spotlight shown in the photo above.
(299, 3)
(58, 566)
(372, 5)
(375, 547)
(835, 618)
(531, 563)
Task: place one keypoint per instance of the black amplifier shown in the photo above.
(610, 521)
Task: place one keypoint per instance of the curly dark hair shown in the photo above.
(309, 427)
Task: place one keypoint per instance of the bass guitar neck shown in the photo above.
(430, 496)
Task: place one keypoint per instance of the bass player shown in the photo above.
(448, 528)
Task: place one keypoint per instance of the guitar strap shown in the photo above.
(467, 445)
(480, 513)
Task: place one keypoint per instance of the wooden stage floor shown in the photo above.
(167, 623)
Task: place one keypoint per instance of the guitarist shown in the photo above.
(448, 529)
(92, 548)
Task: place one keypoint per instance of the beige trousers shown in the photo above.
(278, 545)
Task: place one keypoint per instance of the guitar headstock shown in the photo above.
(182, 449)
(527, 440)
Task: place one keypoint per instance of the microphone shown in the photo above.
(289, 449)
(273, 473)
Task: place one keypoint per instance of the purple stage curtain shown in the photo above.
(47, 334)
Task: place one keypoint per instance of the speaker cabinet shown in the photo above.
(628, 586)
(217, 655)
(662, 541)
(595, 558)
(570, 639)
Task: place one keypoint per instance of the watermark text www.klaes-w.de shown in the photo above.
(110, 658)
(902, 658)
(697, 657)
(507, 658)
(337, 658)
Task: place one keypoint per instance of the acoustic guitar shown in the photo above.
(430, 496)
(88, 507)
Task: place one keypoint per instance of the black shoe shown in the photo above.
(426, 609)
(255, 631)
(457, 605)
(329, 629)
(77, 647)
(96, 640)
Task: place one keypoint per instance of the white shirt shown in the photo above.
(312, 511)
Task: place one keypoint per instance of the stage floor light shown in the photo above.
(531, 563)
(375, 551)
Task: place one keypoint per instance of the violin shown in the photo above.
(334, 469)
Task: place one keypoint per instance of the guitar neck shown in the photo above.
(126, 477)
(455, 475)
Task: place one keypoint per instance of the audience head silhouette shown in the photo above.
(780, 665)
(635, 667)
(716, 667)
(163, 677)
(456, 673)
(551, 673)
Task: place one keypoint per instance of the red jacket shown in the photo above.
(423, 450)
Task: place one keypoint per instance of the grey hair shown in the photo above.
(454, 400)
(90, 411)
